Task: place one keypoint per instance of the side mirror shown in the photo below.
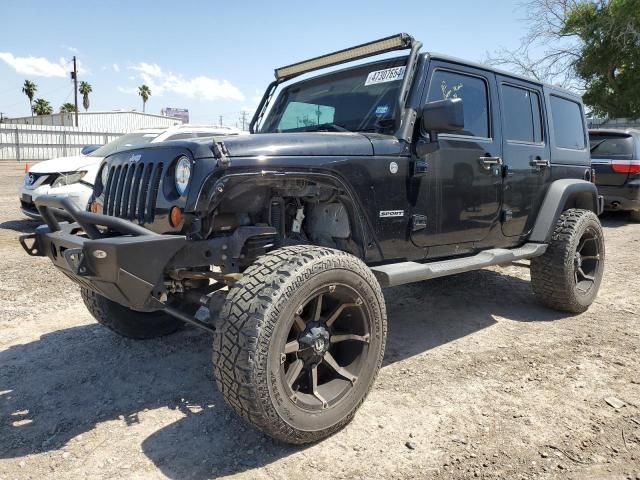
(87, 149)
(443, 116)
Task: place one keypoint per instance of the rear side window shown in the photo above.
(522, 115)
(472, 91)
(608, 146)
(568, 124)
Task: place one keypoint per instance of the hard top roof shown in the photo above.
(449, 58)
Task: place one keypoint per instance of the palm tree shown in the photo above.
(145, 93)
(42, 107)
(85, 89)
(67, 108)
(29, 89)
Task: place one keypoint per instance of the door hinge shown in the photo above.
(420, 168)
(418, 222)
(507, 215)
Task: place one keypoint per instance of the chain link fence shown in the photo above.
(35, 142)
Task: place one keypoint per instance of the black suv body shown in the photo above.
(615, 157)
(395, 171)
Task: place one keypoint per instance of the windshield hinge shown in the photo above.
(221, 153)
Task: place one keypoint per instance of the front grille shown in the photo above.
(132, 190)
(39, 179)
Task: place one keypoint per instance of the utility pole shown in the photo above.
(74, 76)
(220, 117)
(243, 118)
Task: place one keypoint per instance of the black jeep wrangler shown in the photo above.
(395, 171)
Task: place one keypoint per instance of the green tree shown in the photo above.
(67, 107)
(42, 107)
(85, 89)
(590, 46)
(29, 89)
(145, 92)
(609, 61)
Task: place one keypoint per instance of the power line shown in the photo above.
(74, 76)
(40, 95)
(243, 119)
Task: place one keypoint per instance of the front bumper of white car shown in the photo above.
(79, 193)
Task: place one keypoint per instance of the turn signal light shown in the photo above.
(175, 216)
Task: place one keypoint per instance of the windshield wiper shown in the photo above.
(325, 126)
(598, 144)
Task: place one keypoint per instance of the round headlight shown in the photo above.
(183, 174)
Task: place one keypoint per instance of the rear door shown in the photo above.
(526, 153)
(611, 156)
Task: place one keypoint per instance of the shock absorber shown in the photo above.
(276, 218)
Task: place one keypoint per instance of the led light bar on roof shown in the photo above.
(388, 44)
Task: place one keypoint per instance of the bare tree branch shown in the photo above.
(547, 52)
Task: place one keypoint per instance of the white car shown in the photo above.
(75, 176)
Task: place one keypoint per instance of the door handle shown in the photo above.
(539, 162)
(488, 162)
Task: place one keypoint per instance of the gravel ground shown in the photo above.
(479, 381)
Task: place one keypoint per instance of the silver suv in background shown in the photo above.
(74, 176)
(615, 158)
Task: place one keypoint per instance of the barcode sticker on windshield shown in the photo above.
(386, 75)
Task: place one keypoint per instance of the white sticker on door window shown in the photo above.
(386, 75)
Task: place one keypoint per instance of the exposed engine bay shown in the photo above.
(300, 211)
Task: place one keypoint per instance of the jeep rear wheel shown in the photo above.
(567, 277)
(299, 342)
(127, 322)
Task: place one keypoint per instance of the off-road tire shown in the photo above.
(126, 322)
(251, 322)
(553, 274)
(634, 215)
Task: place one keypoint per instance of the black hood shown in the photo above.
(299, 144)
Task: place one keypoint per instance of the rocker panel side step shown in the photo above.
(407, 272)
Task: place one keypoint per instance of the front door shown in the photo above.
(525, 153)
(461, 191)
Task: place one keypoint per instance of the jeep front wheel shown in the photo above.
(126, 322)
(567, 277)
(299, 342)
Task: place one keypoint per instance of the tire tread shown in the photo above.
(248, 317)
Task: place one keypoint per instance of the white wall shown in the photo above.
(112, 122)
(35, 142)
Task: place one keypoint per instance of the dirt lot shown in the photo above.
(478, 381)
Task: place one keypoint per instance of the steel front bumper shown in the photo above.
(122, 260)
(124, 265)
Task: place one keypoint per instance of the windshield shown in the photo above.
(608, 146)
(357, 100)
(128, 140)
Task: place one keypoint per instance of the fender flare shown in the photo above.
(562, 195)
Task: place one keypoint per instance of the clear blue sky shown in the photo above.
(215, 58)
